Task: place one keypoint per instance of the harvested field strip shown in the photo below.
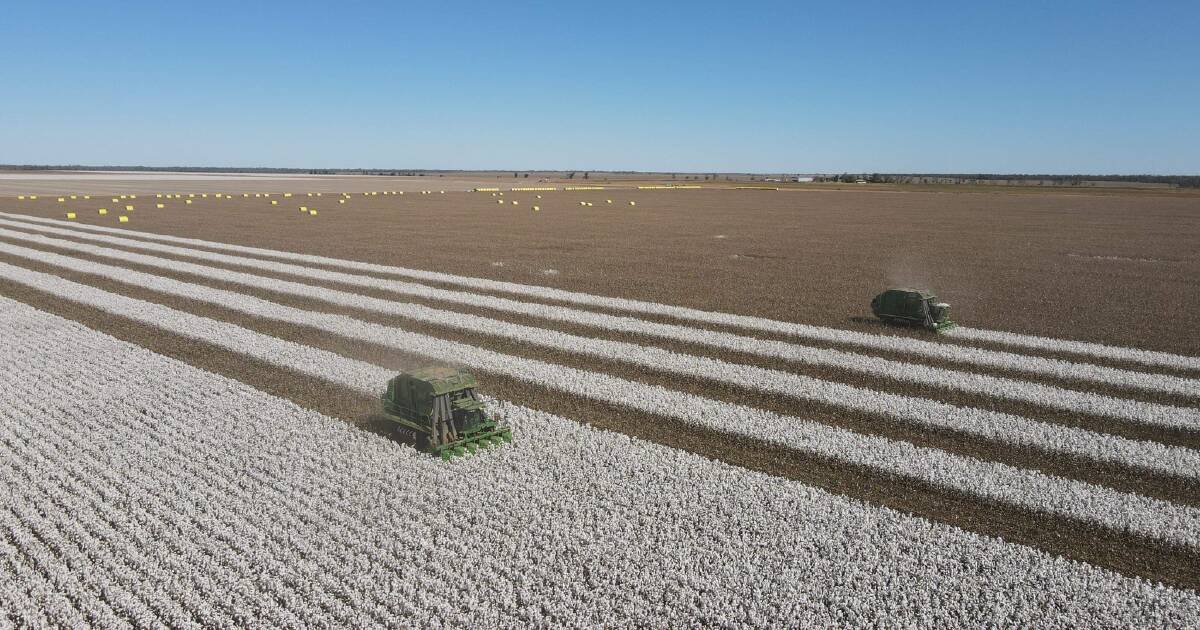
(1104, 507)
(580, 507)
(730, 393)
(899, 344)
(756, 455)
(992, 386)
(1003, 428)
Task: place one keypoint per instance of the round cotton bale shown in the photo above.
(274, 202)
(537, 208)
(129, 208)
(61, 200)
(187, 201)
(633, 203)
(71, 216)
(102, 211)
(312, 213)
(341, 201)
(123, 219)
(160, 206)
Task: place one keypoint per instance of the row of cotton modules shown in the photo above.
(496, 192)
(124, 203)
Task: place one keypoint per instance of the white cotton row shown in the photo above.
(1085, 348)
(882, 342)
(1028, 489)
(992, 425)
(916, 373)
(185, 499)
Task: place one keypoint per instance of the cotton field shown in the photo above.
(202, 510)
(189, 441)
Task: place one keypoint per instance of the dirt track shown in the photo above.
(1084, 267)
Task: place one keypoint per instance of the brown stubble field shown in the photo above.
(1118, 269)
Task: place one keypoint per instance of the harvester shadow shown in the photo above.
(377, 423)
(870, 321)
(891, 327)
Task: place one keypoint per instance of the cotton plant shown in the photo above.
(992, 481)
(194, 500)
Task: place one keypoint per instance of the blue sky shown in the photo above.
(1058, 87)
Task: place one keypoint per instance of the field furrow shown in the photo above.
(1004, 428)
(942, 352)
(833, 335)
(1005, 388)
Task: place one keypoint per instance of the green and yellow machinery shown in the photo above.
(912, 307)
(436, 408)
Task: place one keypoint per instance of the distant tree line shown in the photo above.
(1182, 181)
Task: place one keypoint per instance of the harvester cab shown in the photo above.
(436, 408)
(912, 307)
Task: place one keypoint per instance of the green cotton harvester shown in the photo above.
(913, 307)
(436, 408)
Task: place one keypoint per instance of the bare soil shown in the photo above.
(1118, 269)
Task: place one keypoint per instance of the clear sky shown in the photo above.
(1055, 87)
